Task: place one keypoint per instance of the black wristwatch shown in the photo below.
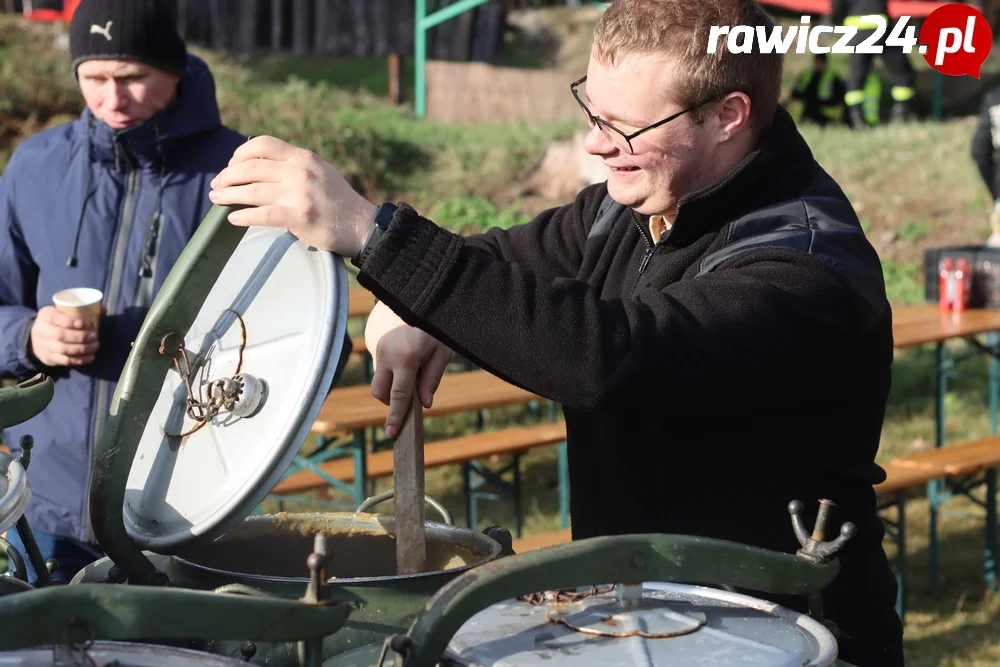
(380, 223)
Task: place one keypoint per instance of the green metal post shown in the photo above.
(901, 558)
(422, 24)
(420, 58)
(937, 94)
(563, 485)
(990, 558)
(451, 12)
(942, 366)
(360, 467)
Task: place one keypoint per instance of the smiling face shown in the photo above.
(668, 161)
(125, 93)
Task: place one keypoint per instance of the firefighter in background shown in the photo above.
(985, 149)
(849, 13)
(821, 91)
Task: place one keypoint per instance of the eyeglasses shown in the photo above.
(622, 141)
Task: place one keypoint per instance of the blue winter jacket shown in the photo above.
(84, 206)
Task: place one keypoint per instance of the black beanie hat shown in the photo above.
(142, 30)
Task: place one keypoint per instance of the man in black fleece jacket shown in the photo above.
(712, 319)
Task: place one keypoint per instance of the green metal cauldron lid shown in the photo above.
(216, 420)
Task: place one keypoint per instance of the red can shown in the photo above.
(963, 285)
(945, 283)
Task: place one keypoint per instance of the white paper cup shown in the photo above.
(82, 302)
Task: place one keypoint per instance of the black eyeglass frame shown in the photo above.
(600, 122)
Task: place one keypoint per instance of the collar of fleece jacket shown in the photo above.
(780, 167)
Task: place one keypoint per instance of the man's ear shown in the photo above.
(732, 115)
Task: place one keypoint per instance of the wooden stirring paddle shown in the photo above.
(408, 481)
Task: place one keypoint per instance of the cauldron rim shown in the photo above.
(475, 541)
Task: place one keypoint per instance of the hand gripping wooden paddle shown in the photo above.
(408, 481)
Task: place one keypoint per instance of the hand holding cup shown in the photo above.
(66, 334)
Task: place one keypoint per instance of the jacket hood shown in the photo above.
(193, 111)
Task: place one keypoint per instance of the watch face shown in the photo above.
(383, 216)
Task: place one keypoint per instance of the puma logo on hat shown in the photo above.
(106, 30)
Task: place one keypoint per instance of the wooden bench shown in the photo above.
(513, 441)
(951, 461)
(360, 302)
(959, 466)
(516, 440)
(358, 345)
(353, 410)
(542, 540)
(952, 464)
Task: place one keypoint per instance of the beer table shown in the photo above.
(925, 324)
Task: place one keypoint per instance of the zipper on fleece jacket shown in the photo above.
(650, 248)
(112, 289)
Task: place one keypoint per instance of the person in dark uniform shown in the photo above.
(821, 91)
(849, 13)
(984, 150)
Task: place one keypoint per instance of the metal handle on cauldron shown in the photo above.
(386, 495)
(18, 569)
(180, 614)
(23, 401)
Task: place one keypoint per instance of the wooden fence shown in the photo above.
(492, 94)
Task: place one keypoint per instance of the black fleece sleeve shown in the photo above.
(742, 331)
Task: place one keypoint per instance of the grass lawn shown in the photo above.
(914, 187)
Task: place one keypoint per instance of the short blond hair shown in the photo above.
(681, 29)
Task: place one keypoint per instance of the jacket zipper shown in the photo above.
(147, 269)
(650, 248)
(112, 288)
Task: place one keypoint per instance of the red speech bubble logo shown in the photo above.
(956, 39)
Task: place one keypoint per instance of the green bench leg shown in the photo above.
(901, 557)
(896, 530)
(563, 485)
(990, 556)
(360, 468)
(471, 516)
(476, 475)
(941, 388)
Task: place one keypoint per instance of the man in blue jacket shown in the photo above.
(107, 201)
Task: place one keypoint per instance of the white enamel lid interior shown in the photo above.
(292, 300)
(120, 654)
(15, 494)
(673, 624)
